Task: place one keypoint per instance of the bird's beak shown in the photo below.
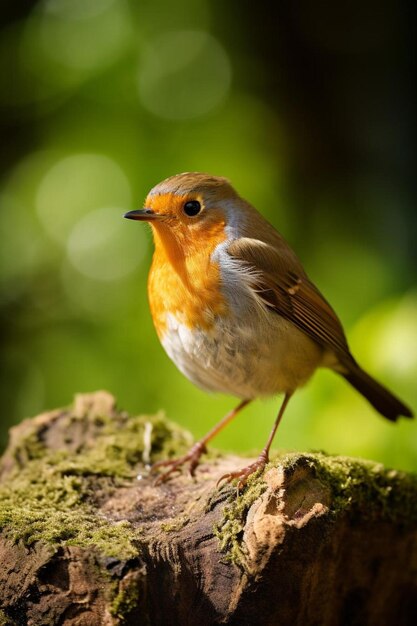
(144, 215)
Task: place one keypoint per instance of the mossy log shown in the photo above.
(87, 539)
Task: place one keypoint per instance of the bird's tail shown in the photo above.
(381, 399)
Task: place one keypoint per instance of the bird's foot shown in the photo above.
(244, 473)
(175, 465)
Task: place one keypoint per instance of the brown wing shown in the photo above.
(291, 294)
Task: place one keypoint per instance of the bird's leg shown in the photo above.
(262, 459)
(193, 455)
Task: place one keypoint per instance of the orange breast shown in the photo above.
(183, 280)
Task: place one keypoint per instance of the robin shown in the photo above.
(234, 308)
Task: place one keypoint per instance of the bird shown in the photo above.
(235, 310)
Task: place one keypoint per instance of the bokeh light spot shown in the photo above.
(102, 247)
(396, 338)
(81, 36)
(185, 74)
(76, 185)
(76, 9)
(398, 345)
(97, 300)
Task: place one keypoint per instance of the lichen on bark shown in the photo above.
(50, 491)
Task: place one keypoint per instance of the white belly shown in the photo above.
(261, 355)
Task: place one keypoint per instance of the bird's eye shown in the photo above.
(192, 208)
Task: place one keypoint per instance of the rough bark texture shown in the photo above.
(314, 540)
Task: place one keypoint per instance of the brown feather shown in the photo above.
(381, 399)
(292, 295)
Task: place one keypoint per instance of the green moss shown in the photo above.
(48, 495)
(229, 530)
(176, 524)
(126, 602)
(385, 494)
(116, 445)
(4, 620)
(354, 484)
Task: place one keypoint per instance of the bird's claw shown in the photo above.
(192, 457)
(244, 473)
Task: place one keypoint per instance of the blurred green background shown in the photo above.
(305, 106)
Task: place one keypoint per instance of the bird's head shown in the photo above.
(190, 210)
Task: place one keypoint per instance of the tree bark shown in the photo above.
(88, 539)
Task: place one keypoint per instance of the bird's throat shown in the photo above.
(188, 253)
(168, 249)
(184, 280)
